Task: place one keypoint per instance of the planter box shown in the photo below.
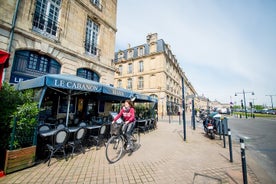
(19, 159)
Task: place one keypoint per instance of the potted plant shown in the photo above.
(17, 125)
(21, 152)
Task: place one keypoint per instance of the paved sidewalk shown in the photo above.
(162, 158)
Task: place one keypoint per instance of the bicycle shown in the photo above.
(117, 143)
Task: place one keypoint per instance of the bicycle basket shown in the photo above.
(115, 129)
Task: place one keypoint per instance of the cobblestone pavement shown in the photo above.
(163, 157)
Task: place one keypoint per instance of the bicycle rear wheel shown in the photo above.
(114, 149)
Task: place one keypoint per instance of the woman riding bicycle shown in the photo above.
(128, 114)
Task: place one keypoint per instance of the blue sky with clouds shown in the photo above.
(223, 46)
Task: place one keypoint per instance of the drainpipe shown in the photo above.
(13, 25)
(12, 32)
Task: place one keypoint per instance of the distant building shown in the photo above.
(57, 36)
(152, 69)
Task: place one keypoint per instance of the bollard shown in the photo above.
(230, 145)
(220, 129)
(223, 135)
(244, 171)
(240, 116)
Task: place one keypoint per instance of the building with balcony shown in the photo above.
(153, 69)
(59, 36)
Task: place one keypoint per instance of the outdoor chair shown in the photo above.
(100, 137)
(82, 124)
(43, 128)
(77, 142)
(60, 126)
(144, 127)
(59, 140)
(42, 141)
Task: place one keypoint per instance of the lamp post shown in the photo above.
(244, 101)
(271, 100)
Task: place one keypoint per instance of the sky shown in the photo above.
(223, 46)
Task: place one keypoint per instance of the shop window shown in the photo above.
(30, 64)
(88, 74)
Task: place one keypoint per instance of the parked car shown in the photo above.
(271, 111)
(264, 111)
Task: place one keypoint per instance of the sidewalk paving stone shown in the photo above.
(163, 157)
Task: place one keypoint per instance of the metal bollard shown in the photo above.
(230, 145)
(220, 129)
(244, 171)
(223, 135)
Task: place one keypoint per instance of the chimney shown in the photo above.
(152, 37)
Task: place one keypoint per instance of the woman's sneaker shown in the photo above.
(129, 146)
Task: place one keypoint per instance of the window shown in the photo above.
(154, 96)
(45, 20)
(129, 68)
(119, 83)
(91, 39)
(29, 64)
(120, 68)
(88, 74)
(141, 66)
(140, 83)
(96, 3)
(130, 54)
(120, 56)
(129, 83)
(37, 62)
(141, 51)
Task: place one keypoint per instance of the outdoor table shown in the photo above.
(73, 129)
(141, 122)
(91, 127)
(48, 133)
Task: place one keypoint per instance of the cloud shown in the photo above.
(231, 45)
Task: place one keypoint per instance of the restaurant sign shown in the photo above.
(116, 92)
(73, 85)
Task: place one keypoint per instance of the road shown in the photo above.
(260, 141)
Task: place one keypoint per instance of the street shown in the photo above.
(259, 136)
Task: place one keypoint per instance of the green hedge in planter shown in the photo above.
(10, 100)
(24, 125)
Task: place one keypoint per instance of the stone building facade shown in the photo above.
(59, 36)
(152, 69)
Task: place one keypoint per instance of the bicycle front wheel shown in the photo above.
(114, 149)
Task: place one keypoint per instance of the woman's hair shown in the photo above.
(130, 103)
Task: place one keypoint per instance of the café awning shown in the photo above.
(62, 81)
(75, 83)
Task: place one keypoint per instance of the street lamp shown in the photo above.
(271, 100)
(243, 92)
